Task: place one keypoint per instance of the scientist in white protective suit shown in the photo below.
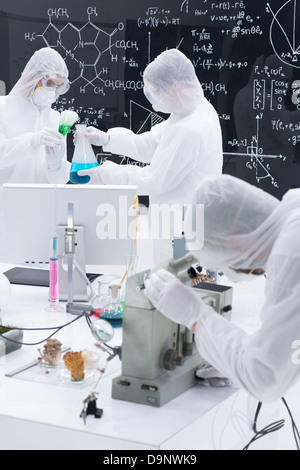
(179, 151)
(31, 148)
(247, 232)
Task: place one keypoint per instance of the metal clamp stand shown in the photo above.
(69, 242)
(90, 403)
(90, 407)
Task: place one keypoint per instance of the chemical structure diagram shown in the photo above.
(97, 55)
(90, 51)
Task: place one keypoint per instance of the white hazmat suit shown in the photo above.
(179, 151)
(31, 148)
(244, 228)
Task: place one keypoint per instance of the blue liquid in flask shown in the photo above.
(75, 167)
(114, 318)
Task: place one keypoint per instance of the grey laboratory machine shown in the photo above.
(159, 357)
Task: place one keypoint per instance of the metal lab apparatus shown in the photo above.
(159, 357)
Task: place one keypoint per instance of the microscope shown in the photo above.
(159, 357)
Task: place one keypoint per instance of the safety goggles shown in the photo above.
(55, 82)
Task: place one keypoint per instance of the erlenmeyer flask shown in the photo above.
(112, 312)
(83, 158)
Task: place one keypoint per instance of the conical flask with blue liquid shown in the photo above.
(83, 158)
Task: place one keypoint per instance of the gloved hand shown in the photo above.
(96, 137)
(47, 137)
(102, 174)
(94, 174)
(55, 155)
(210, 377)
(173, 299)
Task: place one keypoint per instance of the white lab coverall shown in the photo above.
(179, 151)
(20, 119)
(20, 162)
(264, 363)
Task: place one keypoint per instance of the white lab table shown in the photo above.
(40, 414)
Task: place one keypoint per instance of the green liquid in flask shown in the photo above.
(75, 167)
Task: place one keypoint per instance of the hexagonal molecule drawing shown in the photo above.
(82, 46)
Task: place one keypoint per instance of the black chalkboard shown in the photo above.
(246, 54)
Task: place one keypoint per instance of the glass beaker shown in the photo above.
(83, 158)
(102, 299)
(113, 312)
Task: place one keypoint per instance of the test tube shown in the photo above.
(53, 278)
(53, 273)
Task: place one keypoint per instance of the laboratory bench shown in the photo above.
(39, 409)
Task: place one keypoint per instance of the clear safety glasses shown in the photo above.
(55, 82)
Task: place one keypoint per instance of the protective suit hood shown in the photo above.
(241, 222)
(175, 88)
(43, 62)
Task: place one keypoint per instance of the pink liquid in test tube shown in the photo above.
(53, 279)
